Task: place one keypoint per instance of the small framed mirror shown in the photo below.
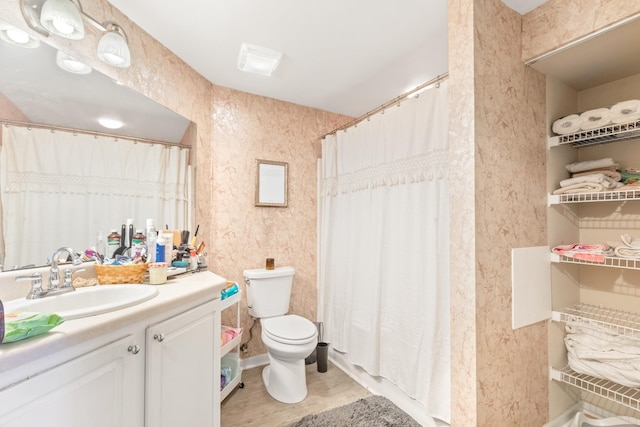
(271, 183)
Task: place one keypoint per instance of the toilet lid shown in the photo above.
(289, 328)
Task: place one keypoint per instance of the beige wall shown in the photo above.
(499, 376)
(249, 127)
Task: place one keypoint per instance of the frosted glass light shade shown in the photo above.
(258, 59)
(62, 18)
(70, 64)
(113, 50)
(16, 37)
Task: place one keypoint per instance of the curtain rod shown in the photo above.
(53, 128)
(386, 105)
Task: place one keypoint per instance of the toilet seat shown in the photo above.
(289, 329)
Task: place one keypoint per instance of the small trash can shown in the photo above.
(322, 355)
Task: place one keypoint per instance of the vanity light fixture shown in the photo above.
(258, 59)
(71, 64)
(63, 18)
(113, 47)
(17, 37)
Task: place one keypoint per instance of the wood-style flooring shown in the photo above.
(252, 406)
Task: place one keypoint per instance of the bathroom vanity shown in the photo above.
(153, 364)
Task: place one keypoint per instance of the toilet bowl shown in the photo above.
(289, 340)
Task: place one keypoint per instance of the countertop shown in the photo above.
(179, 291)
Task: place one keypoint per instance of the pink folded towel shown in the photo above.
(595, 252)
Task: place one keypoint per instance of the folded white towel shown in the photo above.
(626, 252)
(568, 124)
(594, 351)
(625, 111)
(596, 178)
(584, 187)
(591, 164)
(613, 174)
(596, 118)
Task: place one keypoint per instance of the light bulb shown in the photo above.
(18, 36)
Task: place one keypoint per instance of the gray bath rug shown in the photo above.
(373, 411)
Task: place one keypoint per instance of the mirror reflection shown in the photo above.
(33, 89)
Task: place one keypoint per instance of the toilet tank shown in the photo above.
(268, 291)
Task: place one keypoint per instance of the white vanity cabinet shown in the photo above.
(156, 364)
(104, 387)
(182, 357)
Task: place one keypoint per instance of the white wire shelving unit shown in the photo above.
(603, 135)
(598, 196)
(613, 321)
(614, 262)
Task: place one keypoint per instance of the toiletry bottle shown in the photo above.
(168, 246)
(101, 245)
(113, 243)
(138, 238)
(151, 237)
(160, 248)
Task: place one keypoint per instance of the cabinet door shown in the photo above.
(102, 388)
(180, 369)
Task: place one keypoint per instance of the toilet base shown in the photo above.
(285, 381)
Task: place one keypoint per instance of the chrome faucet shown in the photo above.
(54, 277)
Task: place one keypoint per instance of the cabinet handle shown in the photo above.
(134, 349)
(158, 337)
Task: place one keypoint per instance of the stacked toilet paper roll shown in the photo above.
(619, 113)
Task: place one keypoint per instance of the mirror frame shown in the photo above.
(271, 183)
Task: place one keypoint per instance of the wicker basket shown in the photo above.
(116, 274)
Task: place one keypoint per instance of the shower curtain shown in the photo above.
(384, 247)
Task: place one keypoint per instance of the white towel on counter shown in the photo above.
(591, 164)
(625, 111)
(595, 118)
(566, 125)
(595, 351)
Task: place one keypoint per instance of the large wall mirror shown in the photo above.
(34, 89)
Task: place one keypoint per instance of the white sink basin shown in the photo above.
(86, 301)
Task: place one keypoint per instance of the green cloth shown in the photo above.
(19, 326)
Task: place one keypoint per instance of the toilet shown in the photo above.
(289, 338)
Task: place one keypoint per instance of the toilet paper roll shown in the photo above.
(625, 111)
(566, 125)
(593, 119)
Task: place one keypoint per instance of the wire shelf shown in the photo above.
(613, 321)
(603, 135)
(599, 196)
(627, 396)
(615, 262)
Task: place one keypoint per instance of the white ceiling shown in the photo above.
(347, 57)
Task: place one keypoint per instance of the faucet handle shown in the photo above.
(68, 276)
(36, 285)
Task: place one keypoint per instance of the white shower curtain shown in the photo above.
(384, 247)
(78, 185)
